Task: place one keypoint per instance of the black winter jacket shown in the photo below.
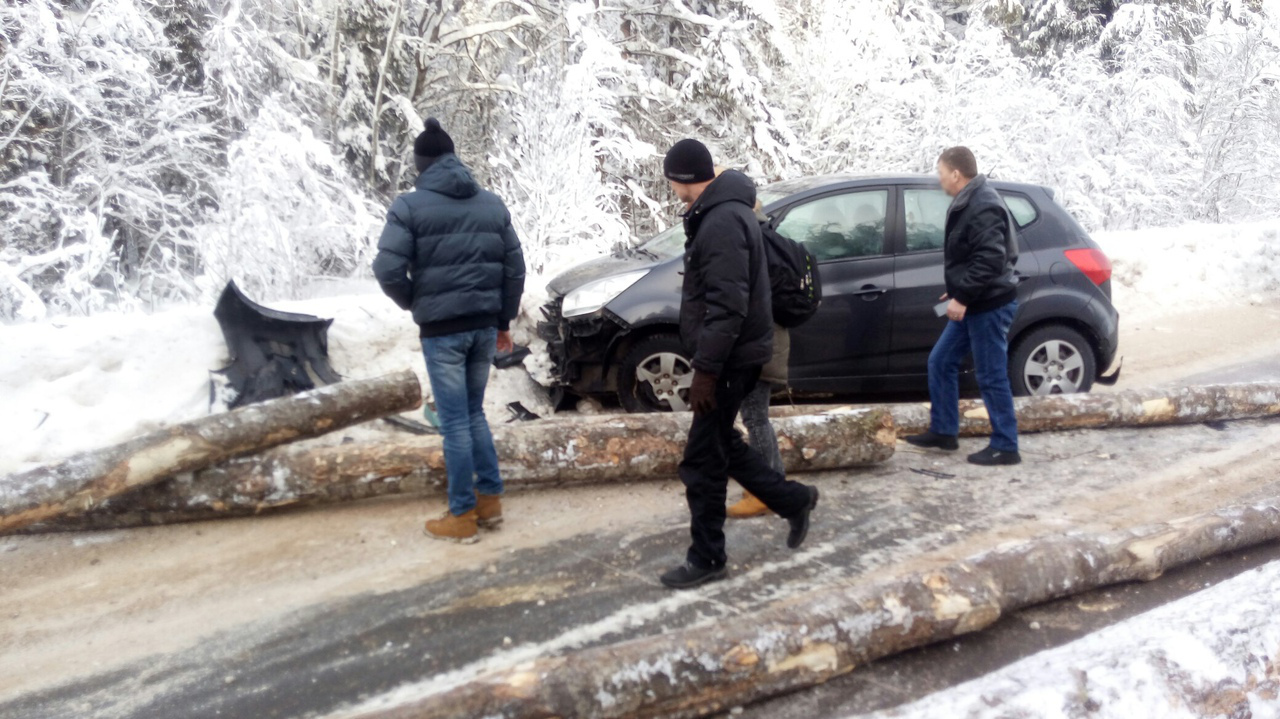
(449, 254)
(980, 249)
(726, 317)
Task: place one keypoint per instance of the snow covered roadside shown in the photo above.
(1164, 271)
(76, 383)
(1210, 654)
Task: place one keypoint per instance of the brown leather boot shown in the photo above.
(489, 510)
(747, 507)
(460, 529)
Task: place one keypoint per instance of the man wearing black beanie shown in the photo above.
(450, 255)
(726, 324)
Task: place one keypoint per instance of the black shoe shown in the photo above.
(929, 440)
(995, 458)
(687, 576)
(800, 522)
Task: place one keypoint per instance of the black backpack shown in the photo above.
(793, 277)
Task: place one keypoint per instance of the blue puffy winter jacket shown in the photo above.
(449, 253)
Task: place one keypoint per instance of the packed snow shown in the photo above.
(1210, 654)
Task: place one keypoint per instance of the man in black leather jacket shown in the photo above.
(982, 299)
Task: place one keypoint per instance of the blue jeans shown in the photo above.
(986, 335)
(458, 367)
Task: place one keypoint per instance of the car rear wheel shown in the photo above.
(1052, 360)
(655, 376)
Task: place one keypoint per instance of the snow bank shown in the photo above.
(73, 384)
(1210, 654)
(1159, 272)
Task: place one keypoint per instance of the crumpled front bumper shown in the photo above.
(579, 348)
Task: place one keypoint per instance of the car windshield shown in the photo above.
(670, 242)
(666, 244)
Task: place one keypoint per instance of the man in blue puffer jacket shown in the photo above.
(449, 254)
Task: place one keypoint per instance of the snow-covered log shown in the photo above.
(1130, 408)
(84, 481)
(549, 452)
(807, 640)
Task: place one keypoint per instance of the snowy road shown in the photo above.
(299, 614)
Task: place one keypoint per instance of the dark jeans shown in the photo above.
(986, 335)
(458, 367)
(755, 415)
(715, 452)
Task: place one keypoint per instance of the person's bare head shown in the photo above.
(689, 168)
(956, 167)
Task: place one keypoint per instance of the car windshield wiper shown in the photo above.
(647, 252)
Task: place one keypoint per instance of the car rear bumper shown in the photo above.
(1105, 321)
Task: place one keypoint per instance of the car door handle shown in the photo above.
(870, 292)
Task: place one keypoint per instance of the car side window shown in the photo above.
(1024, 213)
(926, 216)
(839, 227)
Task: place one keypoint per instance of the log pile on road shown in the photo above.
(1129, 408)
(546, 453)
(82, 482)
(808, 640)
(232, 465)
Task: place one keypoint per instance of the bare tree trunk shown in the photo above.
(550, 452)
(377, 95)
(80, 483)
(806, 641)
(1130, 408)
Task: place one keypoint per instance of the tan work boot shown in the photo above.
(747, 507)
(489, 510)
(460, 529)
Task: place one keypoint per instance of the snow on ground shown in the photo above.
(77, 383)
(1215, 653)
(1165, 271)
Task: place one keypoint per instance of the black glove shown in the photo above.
(702, 393)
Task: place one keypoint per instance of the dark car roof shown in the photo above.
(786, 188)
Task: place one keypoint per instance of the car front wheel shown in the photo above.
(655, 376)
(1052, 360)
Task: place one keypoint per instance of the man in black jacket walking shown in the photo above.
(982, 299)
(449, 254)
(726, 323)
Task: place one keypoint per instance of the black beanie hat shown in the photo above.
(689, 161)
(433, 141)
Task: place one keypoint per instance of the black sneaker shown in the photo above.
(800, 522)
(687, 576)
(995, 458)
(929, 440)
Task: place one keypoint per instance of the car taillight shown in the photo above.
(1093, 263)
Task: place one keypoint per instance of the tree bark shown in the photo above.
(806, 641)
(548, 452)
(85, 480)
(1130, 408)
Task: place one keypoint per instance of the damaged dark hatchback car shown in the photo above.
(612, 325)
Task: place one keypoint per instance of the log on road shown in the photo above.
(1129, 408)
(807, 640)
(85, 480)
(548, 452)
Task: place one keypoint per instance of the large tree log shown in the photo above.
(549, 452)
(1130, 408)
(87, 479)
(806, 641)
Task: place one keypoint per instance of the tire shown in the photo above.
(654, 368)
(1053, 359)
